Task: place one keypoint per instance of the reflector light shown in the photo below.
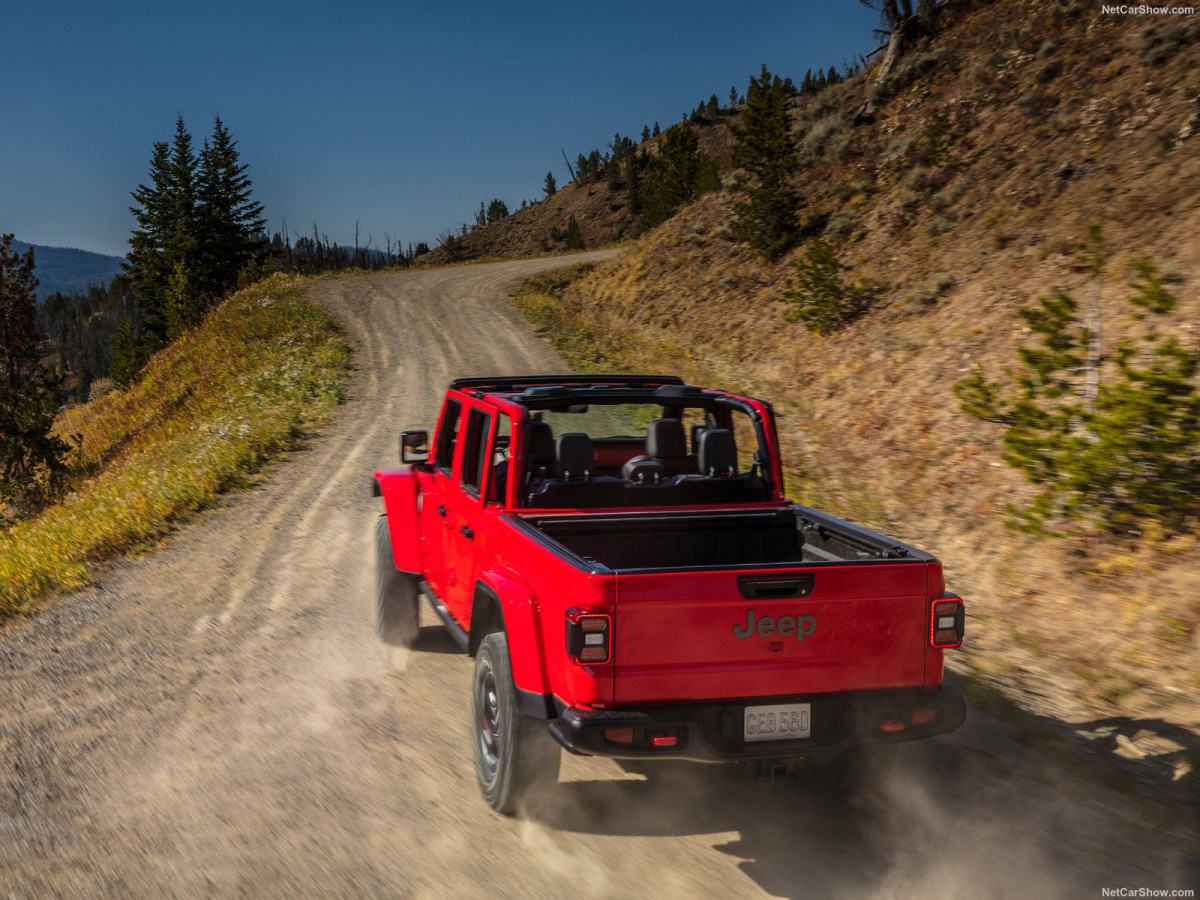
(891, 725)
(665, 740)
(923, 716)
(622, 735)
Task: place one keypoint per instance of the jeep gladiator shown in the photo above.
(619, 557)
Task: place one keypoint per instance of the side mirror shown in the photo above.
(414, 446)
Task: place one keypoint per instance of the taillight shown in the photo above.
(947, 619)
(589, 636)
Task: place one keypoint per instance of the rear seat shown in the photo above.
(575, 486)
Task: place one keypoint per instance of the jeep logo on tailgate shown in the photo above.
(765, 626)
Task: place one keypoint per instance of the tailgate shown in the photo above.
(771, 632)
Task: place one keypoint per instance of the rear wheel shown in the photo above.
(515, 757)
(396, 593)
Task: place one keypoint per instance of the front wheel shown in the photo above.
(396, 595)
(514, 754)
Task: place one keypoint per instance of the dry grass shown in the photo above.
(208, 412)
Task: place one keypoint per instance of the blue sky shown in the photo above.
(401, 116)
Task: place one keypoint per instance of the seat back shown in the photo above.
(666, 442)
(717, 453)
(576, 456)
(540, 450)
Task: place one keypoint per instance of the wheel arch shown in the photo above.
(398, 488)
(503, 602)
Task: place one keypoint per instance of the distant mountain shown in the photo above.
(66, 269)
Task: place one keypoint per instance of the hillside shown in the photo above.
(204, 416)
(1003, 138)
(602, 214)
(65, 269)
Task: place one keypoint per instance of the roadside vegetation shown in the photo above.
(204, 416)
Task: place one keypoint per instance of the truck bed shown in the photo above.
(792, 535)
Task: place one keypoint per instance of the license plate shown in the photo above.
(777, 723)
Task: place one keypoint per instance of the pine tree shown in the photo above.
(230, 223)
(197, 228)
(148, 263)
(1128, 454)
(550, 187)
(496, 211)
(32, 460)
(767, 217)
(673, 175)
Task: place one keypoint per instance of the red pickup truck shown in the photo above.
(618, 555)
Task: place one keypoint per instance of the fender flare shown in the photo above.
(504, 601)
(398, 488)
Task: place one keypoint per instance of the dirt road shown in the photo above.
(217, 718)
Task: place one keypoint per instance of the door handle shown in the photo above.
(441, 510)
(466, 532)
(766, 587)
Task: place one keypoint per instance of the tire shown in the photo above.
(396, 594)
(515, 757)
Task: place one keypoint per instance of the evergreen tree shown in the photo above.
(148, 263)
(230, 223)
(767, 217)
(1124, 454)
(32, 460)
(197, 229)
(497, 210)
(128, 354)
(676, 175)
(550, 187)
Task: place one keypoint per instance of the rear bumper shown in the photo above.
(714, 731)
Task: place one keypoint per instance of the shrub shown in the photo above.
(1116, 449)
(823, 301)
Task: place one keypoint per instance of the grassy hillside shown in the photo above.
(207, 412)
(1003, 138)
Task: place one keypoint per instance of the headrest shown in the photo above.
(665, 440)
(541, 443)
(576, 457)
(718, 452)
(642, 470)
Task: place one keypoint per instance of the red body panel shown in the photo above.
(677, 635)
(399, 490)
